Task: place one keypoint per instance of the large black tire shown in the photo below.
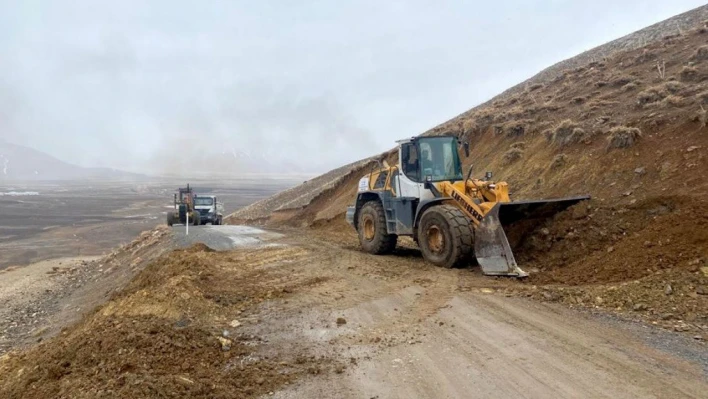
(373, 235)
(445, 236)
(170, 218)
(196, 218)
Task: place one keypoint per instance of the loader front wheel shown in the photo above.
(445, 236)
(170, 218)
(373, 235)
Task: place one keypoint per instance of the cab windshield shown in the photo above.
(202, 201)
(439, 158)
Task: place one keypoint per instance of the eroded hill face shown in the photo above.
(631, 123)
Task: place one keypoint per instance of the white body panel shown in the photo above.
(408, 187)
(364, 184)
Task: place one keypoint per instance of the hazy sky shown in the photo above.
(310, 84)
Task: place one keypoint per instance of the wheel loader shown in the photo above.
(452, 217)
(183, 207)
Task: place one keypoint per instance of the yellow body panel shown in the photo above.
(376, 178)
(475, 197)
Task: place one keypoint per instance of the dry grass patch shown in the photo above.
(672, 101)
(549, 107)
(558, 161)
(630, 86)
(623, 137)
(702, 117)
(512, 129)
(535, 87)
(598, 103)
(468, 125)
(578, 100)
(702, 97)
(484, 118)
(689, 74)
(658, 93)
(701, 54)
(513, 155)
(644, 57)
(622, 81)
(566, 133)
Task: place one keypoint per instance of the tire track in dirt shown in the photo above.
(386, 286)
(413, 330)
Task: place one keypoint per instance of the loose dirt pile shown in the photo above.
(594, 244)
(58, 296)
(175, 331)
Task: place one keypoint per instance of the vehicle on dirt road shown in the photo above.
(451, 217)
(184, 210)
(210, 209)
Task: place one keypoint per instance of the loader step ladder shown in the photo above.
(390, 220)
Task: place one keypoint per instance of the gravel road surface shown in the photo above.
(222, 238)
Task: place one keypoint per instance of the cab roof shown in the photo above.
(416, 138)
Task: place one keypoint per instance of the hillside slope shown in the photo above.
(290, 203)
(676, 25)
(630, 130)
(595, 91)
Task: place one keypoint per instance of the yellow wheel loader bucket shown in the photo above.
(491, 244)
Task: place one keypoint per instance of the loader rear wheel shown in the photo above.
(372, 231)
(445, 236)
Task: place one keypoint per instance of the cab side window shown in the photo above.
(410, 162)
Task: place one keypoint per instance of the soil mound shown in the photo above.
(590, 244)
(173, 332)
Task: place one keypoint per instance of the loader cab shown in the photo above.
(427, 158)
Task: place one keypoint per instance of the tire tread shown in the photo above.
(461, 232)
(387, 242)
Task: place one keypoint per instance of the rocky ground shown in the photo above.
(40, 299)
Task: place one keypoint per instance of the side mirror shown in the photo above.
(466, 146)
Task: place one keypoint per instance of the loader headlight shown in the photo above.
(492, 186)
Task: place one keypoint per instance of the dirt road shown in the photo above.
(309, 315)
(418, 331)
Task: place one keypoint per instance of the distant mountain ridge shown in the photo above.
(20, 163)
